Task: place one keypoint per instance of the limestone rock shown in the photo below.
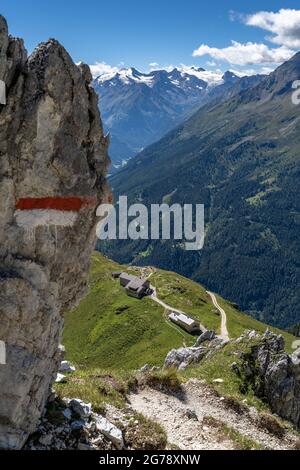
(84, 410)
(183, 357)
(208, 335)
(66, 367)
(60, 378)
(275, 376)
(51, 146)
(110, 431)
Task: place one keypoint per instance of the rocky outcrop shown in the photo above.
(274, 375)
(206, 345)
(53, 161)
(72, 425)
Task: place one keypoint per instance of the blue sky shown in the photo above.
(137, 33)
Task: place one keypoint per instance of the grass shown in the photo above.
(271, 424)
(101, 333)
(112, 331)
(186, 295)
(166, 380)
(218, 366)
(98, 387)
(109, 336)
(238, 322)
(193, 299)
(145, 434)
(226, 432)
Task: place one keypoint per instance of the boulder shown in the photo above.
(83, 410)
(110, 431)
(275, 376)
(183, 357)
(208, 335)
(53, 163)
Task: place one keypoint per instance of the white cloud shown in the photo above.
(153, 65)
(255, 71)
(246, 54)
(284, 26)
(211, 63)
(101, 69)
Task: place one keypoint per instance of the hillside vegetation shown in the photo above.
(241, 160)
(112, 331)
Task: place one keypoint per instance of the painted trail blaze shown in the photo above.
(73, 203)
(59, 211)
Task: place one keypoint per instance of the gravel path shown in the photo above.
(182, 419)
(224, 331)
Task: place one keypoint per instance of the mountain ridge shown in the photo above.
(241, 159)
(139, 108)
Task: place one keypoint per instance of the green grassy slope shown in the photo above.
(97, 335)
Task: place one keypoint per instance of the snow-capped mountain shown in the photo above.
(139, 108)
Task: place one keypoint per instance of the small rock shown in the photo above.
(67, 413)
(60, 378)
(218, 381)
(82, 446)
(46, 440)
(235, 368)
(97, 441)
(191, 414)
(110, 431)
(77, 425)
(84, 410)
(253, 334)
(205, 429)
(66, 367)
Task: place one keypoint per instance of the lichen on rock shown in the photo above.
(52, 148)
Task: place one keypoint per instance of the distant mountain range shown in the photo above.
(138, 109)
(241, 159)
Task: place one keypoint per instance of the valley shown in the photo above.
(139, 108)
(241, 160)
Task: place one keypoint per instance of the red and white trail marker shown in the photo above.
(59, 211)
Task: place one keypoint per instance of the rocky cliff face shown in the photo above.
(53, 161)
(275, 376)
